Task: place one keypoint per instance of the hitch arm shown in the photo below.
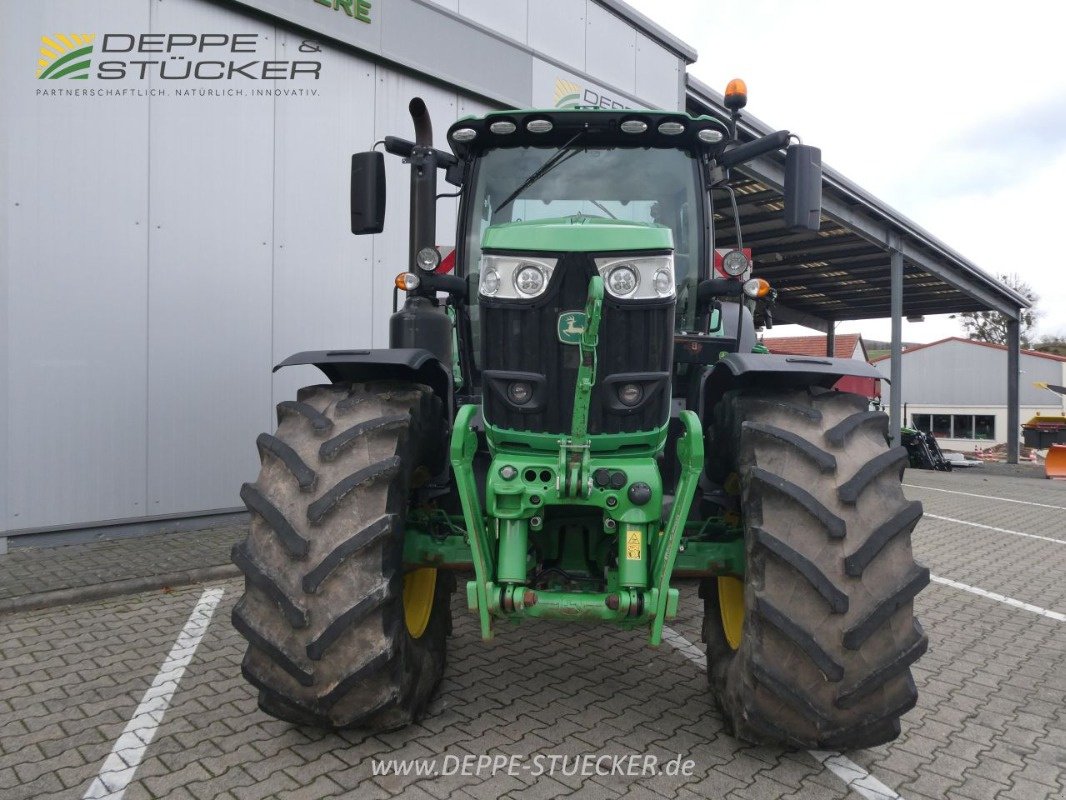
(690, 454)
(463, 447)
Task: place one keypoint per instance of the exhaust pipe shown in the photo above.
(423, 125)
(423, 220)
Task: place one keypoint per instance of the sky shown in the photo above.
(953, 113)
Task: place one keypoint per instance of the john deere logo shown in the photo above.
(65, 55)
(567, 94)
(571, 326)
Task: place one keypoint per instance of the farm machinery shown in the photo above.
(573, 417)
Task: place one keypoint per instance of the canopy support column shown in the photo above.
(896, 391)
(1013, 366)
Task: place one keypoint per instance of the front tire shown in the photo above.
(828, 633)
(337, 635)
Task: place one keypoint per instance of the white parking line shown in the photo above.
(993, 528)
(1010, 601)
(984, 496)
(121, 764)
(854, 776)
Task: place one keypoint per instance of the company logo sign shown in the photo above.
(572, 326)
(170, 57)
(569, 94)
(358, 10)
(65, 55)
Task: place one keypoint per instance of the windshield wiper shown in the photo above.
(560, 156)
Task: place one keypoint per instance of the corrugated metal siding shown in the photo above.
(159, 255)
(75, 199)
(564, 42)
(211, 197)
(185, 246)
(610, 48)
(958, 373)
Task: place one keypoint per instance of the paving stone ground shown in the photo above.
(33, 570)
(990, 721)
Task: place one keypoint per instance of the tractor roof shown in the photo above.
(555, 127)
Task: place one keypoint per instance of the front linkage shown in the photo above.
(522, 488)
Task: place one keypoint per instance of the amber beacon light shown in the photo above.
(736, 94)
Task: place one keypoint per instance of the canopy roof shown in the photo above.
(842, 271)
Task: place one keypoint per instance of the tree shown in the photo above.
(991, 326)
(1054, 344)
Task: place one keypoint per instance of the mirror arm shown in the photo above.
(452, 284)
(754, 149)
(713, 288)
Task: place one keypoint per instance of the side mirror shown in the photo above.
(803, 187)
(368, 192)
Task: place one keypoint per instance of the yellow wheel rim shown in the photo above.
(731, 603)
(418, 589)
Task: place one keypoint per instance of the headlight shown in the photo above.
(630, 394)
(529, 280)
(638, 277)
(515, 277)
(735, 263)
(428, 258)
(490, 282)
(622, 280)
(520, 393)
(664, 282)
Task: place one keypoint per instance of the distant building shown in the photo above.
(846, 345)
(955, 389)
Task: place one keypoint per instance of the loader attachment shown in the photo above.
(1055, 463)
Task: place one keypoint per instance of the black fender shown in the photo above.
(402, 363)
(776, 371)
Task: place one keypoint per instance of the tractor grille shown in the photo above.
(520, 342)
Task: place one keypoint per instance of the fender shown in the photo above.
(753, 370)
(401, 363)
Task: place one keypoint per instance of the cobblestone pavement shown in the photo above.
(990, 721)
(32, 570)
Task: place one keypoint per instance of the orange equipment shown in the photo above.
(1055, 463)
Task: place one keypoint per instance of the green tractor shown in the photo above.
(576, 414)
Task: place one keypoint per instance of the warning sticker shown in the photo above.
(633, 544)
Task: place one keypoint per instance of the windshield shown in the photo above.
(640, 185)
(655, 186)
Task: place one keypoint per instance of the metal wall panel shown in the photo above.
(659, 75)
(75, 200)
(583, 35)
(955, 373)
(508, 19)
(448, 49)
(557, 29)
(610, 49)
(451, 5)
(321, 270)
(10, 78)
(209, 289)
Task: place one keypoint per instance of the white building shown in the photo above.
(954, 388)
(174, 216)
